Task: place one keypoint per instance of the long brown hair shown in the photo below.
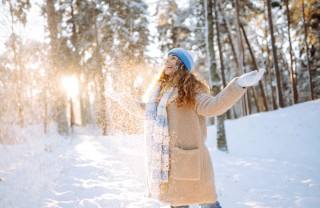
(187, 83)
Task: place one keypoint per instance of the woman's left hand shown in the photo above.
(250, 78)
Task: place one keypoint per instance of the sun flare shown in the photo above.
(71, 86)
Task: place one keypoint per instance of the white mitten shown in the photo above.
(250, 78)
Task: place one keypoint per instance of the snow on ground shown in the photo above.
(273, 161)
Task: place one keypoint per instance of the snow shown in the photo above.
(273, 161)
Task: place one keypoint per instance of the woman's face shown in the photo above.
(170, 65)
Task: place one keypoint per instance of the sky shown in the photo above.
(34, 28)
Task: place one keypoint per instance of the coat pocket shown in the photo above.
(185, 164)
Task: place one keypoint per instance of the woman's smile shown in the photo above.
(170, 64)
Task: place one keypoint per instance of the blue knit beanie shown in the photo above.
(185, 56)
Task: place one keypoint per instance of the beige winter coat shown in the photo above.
(191, 176)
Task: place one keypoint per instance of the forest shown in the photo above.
(88, 48)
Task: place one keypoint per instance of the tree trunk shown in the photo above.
(53, 30)
(18, 69)
(59, 99)
(85, 106)
(240, 45)
(272, 104)
(103, 103)
(214, 77)
(45, 103)
(243, 101)
(223, 76)
(237, 109)
(212, 65)
(102, 113)
(77, 68)
(264, 97)
(307, 50)
(221, 133)
(274, 53)
(228, 28)
(249, 102)
(292, 74)
(210, 49)
(273, 94)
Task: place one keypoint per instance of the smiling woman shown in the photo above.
(178, 165)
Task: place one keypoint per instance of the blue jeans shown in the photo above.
(214, 205)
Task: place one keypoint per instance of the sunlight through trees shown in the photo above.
(89, 48)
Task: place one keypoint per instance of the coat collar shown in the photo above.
(173, 96)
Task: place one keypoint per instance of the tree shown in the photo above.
(292, 73)
(255, 67)
(56, 67)
(17, 11)
(307, 49)
(275, 57)
(129, 26)
(214, 79)
(304, 17)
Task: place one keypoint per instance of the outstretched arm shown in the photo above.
(208, 105)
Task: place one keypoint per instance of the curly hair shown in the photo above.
(187, 83)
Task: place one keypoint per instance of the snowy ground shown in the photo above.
(273, 161)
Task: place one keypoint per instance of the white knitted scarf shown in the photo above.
(157, 141)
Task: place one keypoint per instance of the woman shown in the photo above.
(179, 166)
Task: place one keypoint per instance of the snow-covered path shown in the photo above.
(101, 172)
(273, 161)
(83, 171)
